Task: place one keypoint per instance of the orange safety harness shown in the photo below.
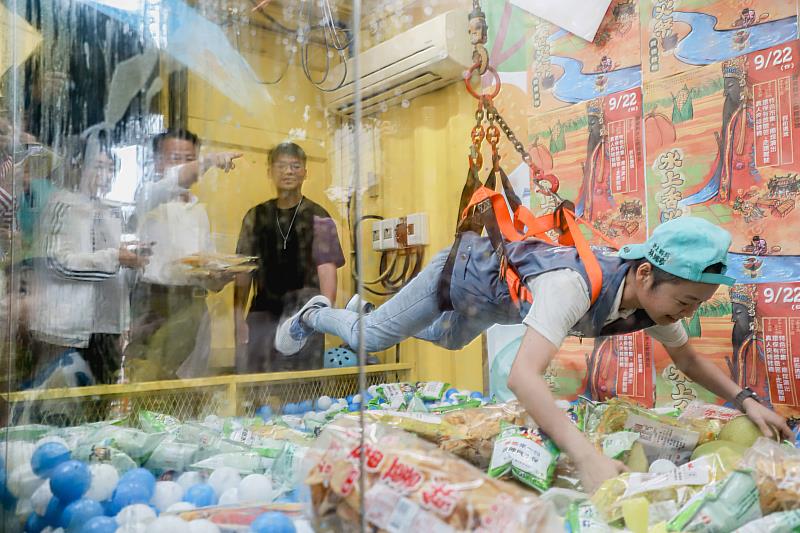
(483, 208)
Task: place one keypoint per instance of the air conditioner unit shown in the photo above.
(420, 60)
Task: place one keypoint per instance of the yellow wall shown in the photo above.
(224, 126)
(424, 150)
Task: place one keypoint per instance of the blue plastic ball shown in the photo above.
(477, 395)
(265, 412)
(200, 495)
(79, 512)
(35, 523)
(4, 493)
(450, 393)
(52, 514)
(349, 398)
(140, 476)
(48, 456)
(127, 494)
(273, 522)
(70, 480)
(290, 409)
(108, 507)
(308, 405)
(100, 524)
(354, 407)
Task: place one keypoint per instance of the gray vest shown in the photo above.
(477, 289)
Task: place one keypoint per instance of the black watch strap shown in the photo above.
(746, 393)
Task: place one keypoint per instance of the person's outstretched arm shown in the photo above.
(526, 381)
(707, 374)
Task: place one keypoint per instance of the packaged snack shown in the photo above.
(471, 433)
(721, 507)
(396, 395)
(617, 444)
(152, 422)
(777, 471)
(432, 391)
(663, 437)
(785, 522)
(135, 443)
(411, 485)
(173, 455)
(524, 454)
(245, 462)
(101, 453)
(678, 486)
(583, 517)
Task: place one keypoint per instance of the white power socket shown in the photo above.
(377, 238)
(417, 229)
(388, 239)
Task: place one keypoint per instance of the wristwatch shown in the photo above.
(746, 393)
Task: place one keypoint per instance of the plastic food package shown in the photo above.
(678, 486)
(663, 437)
(135, 443)
(777, 471)
(411, 485)
(245, 463)
(173, 455)
(720, 507)
(473, 431)
(432, 391)
(583, 517)
(785, 522)
(524, 454)
(153, 422)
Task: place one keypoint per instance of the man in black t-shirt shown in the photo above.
(298, 253)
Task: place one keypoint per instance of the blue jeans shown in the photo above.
(412, 312)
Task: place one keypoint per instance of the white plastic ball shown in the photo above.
(203, 526)
(22, 482)
(41, 497)
(24, 507)
(104, 481)
(255, 488)
(16, 452)
(133, 528)
(356, 398)
(138, 513)
(224, 478)
(187, 479)
(373, 390)
(180, 507)
(229, 497)
(166, 494)
(169, 524)
(324, 403)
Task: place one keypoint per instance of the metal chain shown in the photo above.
(518, 146)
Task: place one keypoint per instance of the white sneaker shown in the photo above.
(292, 334)
(357, 304)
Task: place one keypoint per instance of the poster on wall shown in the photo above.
(678, 35)
(595, 150)
(723, 143)
(555, 68)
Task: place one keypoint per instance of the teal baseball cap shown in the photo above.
(685, 247)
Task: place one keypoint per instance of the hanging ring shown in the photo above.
(471, 90)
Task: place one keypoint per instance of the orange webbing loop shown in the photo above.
(588, 258)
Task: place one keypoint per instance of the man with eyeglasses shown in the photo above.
(170, 333)
(298, 252)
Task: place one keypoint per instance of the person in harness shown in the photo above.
(649, 286)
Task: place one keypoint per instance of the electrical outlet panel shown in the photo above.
(417, 229)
